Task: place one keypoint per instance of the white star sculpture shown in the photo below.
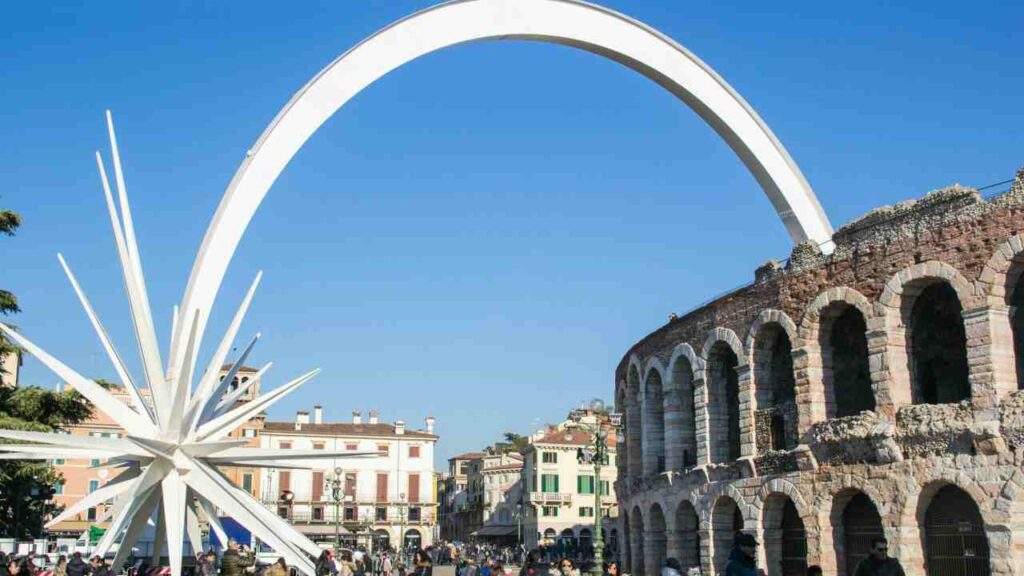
(173, 445)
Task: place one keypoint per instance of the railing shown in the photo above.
(550, 498)
(302, 513)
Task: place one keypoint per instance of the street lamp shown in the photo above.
(334, 482)
(519, 525)
(596, 454)
(401, 526)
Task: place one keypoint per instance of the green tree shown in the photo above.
(26, 485)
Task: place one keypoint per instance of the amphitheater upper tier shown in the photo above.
(872, 392)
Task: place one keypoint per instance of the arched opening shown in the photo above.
(853, 529)
(611, 545)
(381, 540)
(844, 361)
(622, 407)
(654, 424)
(684, 423)
(634, 424)
(567, 545)
(936, 344)
(723, 403)
(1015, 301)
(687, 530)
(726, 521)
(657, 536)
(785, 539)
(636, 542)
(586, 543)
(774, 389)
(954, 535)
(413, 540)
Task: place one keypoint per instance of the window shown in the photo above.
(549, 511)
(318, 445)
(586, 512)
(282, 511)
(549, 457)
(350, 513)
(249, 433)
(58, 487)
(381, 514)
(284, 445)
(247, 483)
(605, 488)
(58, 462)
(284, 480)
(95, 462)
(414, 451)
(94, 485)
(318, 513)
(414, 488)
(351, 447)
(384, 449)
(318, 486)
(350, 484)
(382, 487)
(584, 484)
(414, 514)
(549, 482)
(91, 515)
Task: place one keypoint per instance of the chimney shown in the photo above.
(399, 427)
(374, 416)
(430, 424)
(318, 414)
(301, 417)
(357, 417)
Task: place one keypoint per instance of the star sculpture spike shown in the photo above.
(168, 459)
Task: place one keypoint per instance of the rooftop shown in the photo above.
(344, 429)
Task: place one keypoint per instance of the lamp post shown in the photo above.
(401, 525)
(519, 525)
(596, 454)
(334, 483)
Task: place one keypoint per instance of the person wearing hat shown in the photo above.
(743, 559)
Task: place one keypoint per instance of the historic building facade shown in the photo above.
(876, 391)
(386, 501)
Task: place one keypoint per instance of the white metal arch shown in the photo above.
(568, 22)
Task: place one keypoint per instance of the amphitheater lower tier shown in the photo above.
(874, 392)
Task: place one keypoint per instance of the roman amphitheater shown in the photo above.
(873, 391)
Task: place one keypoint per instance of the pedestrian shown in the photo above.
(278, 568)
(815, 570)
(207, 564)
(61, 569)
(671, 568)
(97, 567)
(386, 565)
(77, 566)
(529, 567)
(13, 565)
(566, 567)
(346, 567)
(878, 562)
(611, 568)
(234, 563)
(469, 568)
(422, 566)
(323, 564)
(743, 559)
(487, 567)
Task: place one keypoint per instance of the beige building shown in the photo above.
(495, 481)
(559, 491)
(83, 476)
(458, 512)
(384, 500)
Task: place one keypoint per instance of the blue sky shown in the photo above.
(483, 233)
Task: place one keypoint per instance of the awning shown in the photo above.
(495, 531)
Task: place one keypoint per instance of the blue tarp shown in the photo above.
(234, 531)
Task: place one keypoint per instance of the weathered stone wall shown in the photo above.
(900, 455)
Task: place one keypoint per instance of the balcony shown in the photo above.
(550, 498)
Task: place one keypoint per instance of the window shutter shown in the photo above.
(382, 487)
(414, 487)
(556, 482)
(284, 480)
(350, 484)
(318, 486)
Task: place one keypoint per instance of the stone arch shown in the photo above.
(1000, 284)
(654, 538)
(855, 517)
(724, 360)
(785, 536)
(770, 345)
(832, 360)
(653, 417)
(571, 23)
(634, 430)
(636, 542)
(726, 519)
(927, 364)
(685, 545)
(952, 529)
(683, 394)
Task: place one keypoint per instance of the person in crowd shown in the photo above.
(565, 567)
(13, 566)
(743, 559)
(207, 564)
(815, 570)
(878, 562)
(345, 566)
(97, 567)
(323, 564)
(278, 568)
(234, 562)
(77, 566)
(360, 565)
(422, 566)
(611, 568)
(469, 568)
(671, 568)
(61, 568)
(487, 567)
(529, 567)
